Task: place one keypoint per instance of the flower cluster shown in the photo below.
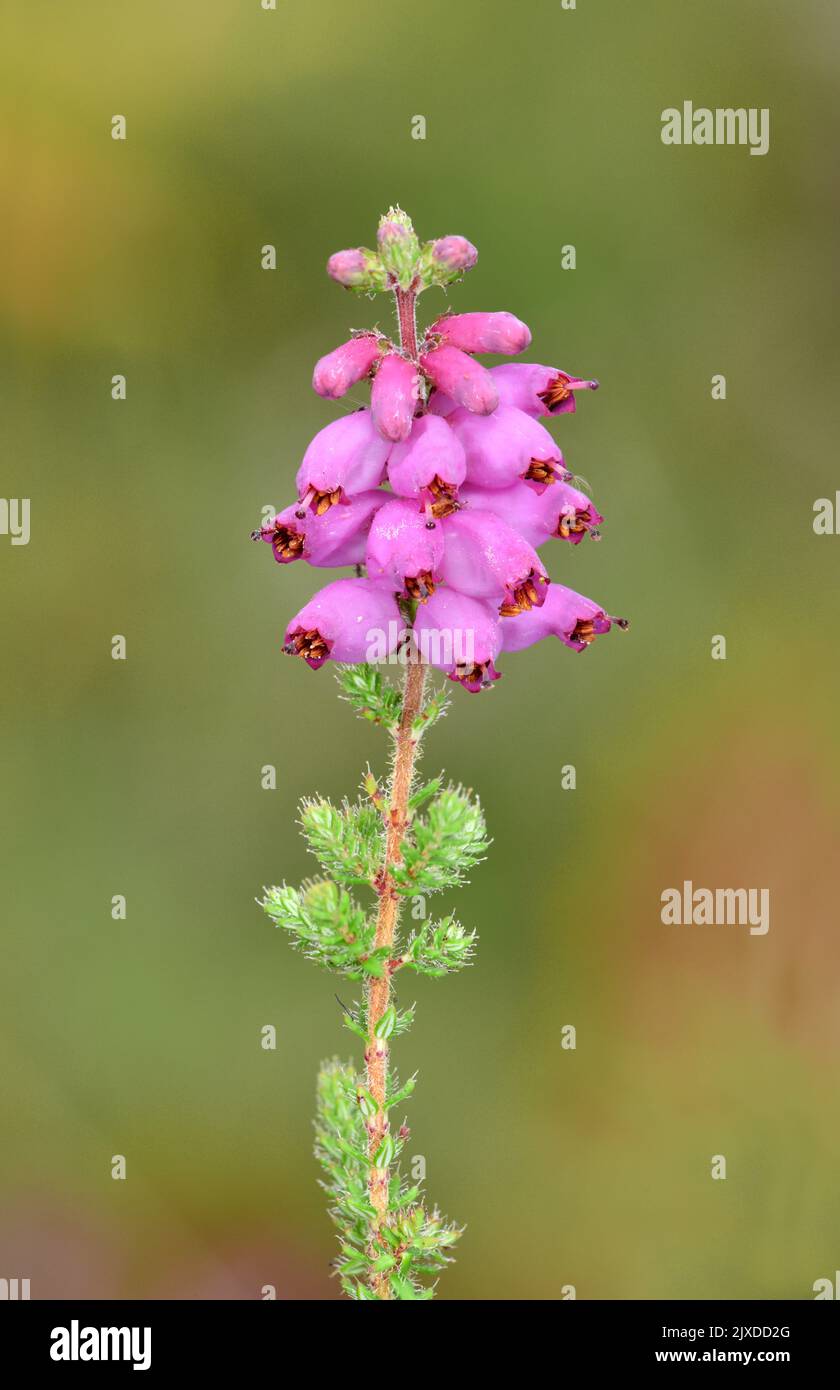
(442, 491)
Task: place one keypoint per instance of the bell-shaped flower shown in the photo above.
(538, 390)
(576, 620)
(430, 465)
(559, 511)
(487, 559)
(344, 458)
(461, 636)
(404, 549)
(507, 447)
(346, 621)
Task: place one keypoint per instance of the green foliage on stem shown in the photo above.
(328, 926)
(443, 844)
(394, 1249)
(439, 948)
(370, 695)
(412, 1244)
(347, 840)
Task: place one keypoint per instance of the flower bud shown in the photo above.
(399, 248)
(394, 397)
(358, 269)
(500, 332)
(445, 260)
(344, 366)
(458, 376)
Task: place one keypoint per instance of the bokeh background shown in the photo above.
(246, 127)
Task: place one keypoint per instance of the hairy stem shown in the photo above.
(379, 990)
(406, 302)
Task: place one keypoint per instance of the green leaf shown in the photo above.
(348, 840)
(439, 948)
(370, 696)
(443, 845)
(328, 926)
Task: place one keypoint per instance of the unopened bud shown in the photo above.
(358, 269)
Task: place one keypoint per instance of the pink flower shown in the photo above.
(404, 550)
(505, 447)
(394, 397)
(576, 620)
(500, 332)
(344, 366)
(487, 559)
(458, 376)
(342, 622)
(344, 458)
(461, 636)
(558, 511)
(430, 465)
(337, 537)
(538, 390)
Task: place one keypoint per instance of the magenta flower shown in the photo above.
(558, 511)
(456, 374)
(337, 537)
(538, 390)
(394, 397)
(483, 332)
(445, 487)
(343, 622)
(344, 458)
(404, 550)
(487, 559)
(576, 620)
(506, 447)
(344, 366)
(461, 636)
(430, 465)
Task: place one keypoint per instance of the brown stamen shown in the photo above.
(524, 596)
(310, 645)
(583, 631)
(320, 502)
(541, 471)
(420, 586)
(572, 523)
(286, 543)
(561, 388)
(444, 501)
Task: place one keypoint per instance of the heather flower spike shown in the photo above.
(437, 498)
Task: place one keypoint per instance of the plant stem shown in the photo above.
(406, 302)
(379, 990)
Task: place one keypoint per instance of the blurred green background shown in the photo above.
(292, 127)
